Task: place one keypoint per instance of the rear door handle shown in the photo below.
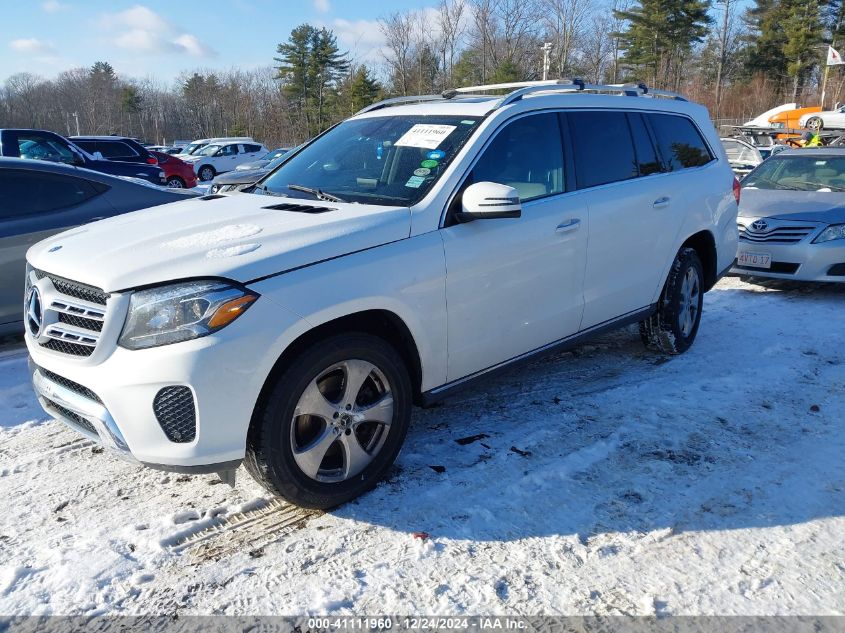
(661, 202)
(568, 226)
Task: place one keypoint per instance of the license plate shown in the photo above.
(754, 260)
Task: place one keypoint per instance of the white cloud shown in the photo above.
(53, 6)
(322, 6)
(143, 30)
(32, 46)
(362, 38)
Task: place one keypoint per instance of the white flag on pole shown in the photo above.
(833, 57)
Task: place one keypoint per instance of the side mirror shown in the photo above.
(489, 200)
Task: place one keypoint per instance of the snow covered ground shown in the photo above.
(602, 481)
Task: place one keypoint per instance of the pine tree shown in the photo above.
(660, 36)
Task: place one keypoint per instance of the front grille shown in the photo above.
(75, 289)
(784, 268)
(73, 313)
(67, 383)
(176, 414)
(74, 349)
(81, 322)
(776, 235)
(75, 418)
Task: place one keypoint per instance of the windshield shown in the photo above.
(193, 147)
(391, 160)
(209, 150)
(799, 173)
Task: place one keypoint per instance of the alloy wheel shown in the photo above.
(341, 421)
(690, 295)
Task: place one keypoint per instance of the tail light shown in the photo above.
(152, 160)
(737, 189)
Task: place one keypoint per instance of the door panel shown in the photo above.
(514, 285)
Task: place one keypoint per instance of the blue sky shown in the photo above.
(161, 38)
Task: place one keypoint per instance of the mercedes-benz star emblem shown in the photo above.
(759, 225)
(34, 315)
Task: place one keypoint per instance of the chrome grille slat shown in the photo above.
(780, 234)
(74, 315)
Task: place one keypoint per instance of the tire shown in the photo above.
(673, 327)
(327, 454)
(815, 123)
(206, 173)
(175, 182)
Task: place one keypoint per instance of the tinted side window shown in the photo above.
(527, 155)
(115, 149)
(42, 147)
(679, 141)
(30, 193)
(603, 149)
(252, 148)
(647, 160)
(229, 150)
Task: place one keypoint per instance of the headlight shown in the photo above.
(833, 232)
(181, 312)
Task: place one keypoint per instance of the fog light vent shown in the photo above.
(176, 414)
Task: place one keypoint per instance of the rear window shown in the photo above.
(115, 149)
(27, 193)
(679, 141)
(604, 151)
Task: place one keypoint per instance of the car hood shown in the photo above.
(237, 237)
(240, 177)
(803, 206)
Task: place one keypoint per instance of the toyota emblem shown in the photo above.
(759, 225)
(34, 313)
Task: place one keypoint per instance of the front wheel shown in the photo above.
(333, 422)
(206, 173)
(672, 328)
(174, 182)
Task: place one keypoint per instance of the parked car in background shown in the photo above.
(194, 146)
(220, 157)
(791, 120)
(40, 198)
(398, 256)
(264, 160)
(792, 217)
(49, 146)
(742, 156)
(179, 174)
(236, 180)
(115, 148)
(173, 151)
(833, 119)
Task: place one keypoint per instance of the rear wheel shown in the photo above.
(815, 123)
(333, 423)
(206, 173)
(673, 327)
(175, 182)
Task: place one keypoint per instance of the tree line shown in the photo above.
(738, 60)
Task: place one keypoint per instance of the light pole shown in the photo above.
(547, 49)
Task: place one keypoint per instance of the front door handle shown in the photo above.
(568, 226)
(661, 202)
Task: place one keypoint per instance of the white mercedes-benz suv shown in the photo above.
(418, 245)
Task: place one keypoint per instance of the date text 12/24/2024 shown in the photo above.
(421, 623)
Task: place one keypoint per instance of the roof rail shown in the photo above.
(520, 89)
(398, 101)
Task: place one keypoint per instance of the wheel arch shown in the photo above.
(704, 245)
(384, 324)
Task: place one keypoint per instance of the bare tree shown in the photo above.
(565, 20)
(398, 31)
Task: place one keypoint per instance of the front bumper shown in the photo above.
(799, 262)
(109, 397)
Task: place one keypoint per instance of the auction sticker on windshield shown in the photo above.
(425, 135)
(754, 260)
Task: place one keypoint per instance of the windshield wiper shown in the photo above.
(320, 195)
(267, 192)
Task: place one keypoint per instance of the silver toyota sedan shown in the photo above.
(792, 217)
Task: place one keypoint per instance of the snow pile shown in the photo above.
(606, 480)
(214, 237)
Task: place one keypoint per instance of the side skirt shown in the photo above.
(438, 394)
